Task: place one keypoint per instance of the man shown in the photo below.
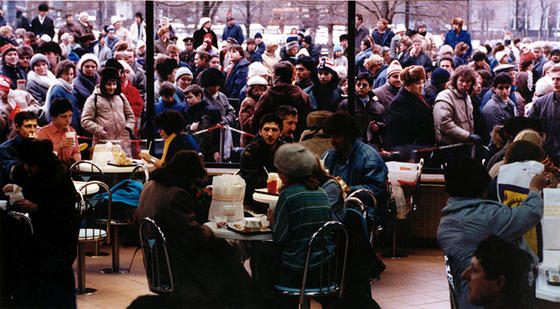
(201, 60)
(252, 50)
(546, 110)
(43, 24)
(282, 92)
(25, 54)
(428, 45)
(361, 33)
(538, 63)
(259, 155)
(343, 38)
(289, 116)
(313, 50)
(368, 111)
(358, 164)
(437, 84)
(111, 40)
(511, 70)
(386, 93)
(382, 35)
(137, 30)
(232, 30)
(306, 72)
(416, 56)
(10, 68)
(325, 94)
(456, 35)
(12, 101)
(60, 133)
(172, 51)
(187, 55)
(396, 40)
(83, 26)
(261, 46)
(26, 127)
(498, 275)
(69, 27)
(290, 51)
(447, 63)
(52, 51)
(500, 108)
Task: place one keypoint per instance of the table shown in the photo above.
(226, 233)
(90, 189)
(266, 198)
(114, 173)
(217, 171)
(551, 260)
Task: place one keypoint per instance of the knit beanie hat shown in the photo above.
(7, 48)
(107, 74)
(291, 44)
(256, 68)
(36, 58)
(87, 57)
(113, 63)
(258, 35)
(5, 83)
(394, 68)
(257, 80)
(325, 64)
(337, 47)
(444, 50)
(182, 71)
(295, 160)
(440, 76)
(307, 39)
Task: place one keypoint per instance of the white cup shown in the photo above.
(72, 135)
(252, 223)
(3, 204)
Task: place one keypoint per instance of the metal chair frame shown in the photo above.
(451, 284)
(94, 169)
(152, 262)
(146, 172)
(23, 217)
(304, 295)
(372, 228)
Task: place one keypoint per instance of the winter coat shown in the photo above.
(380, 76)
(207, 116)
(422, 60)
(497, 111)
(324, 97)
(361, 33)
(84, 29)
(17, 100)
(538, 67)
(282, 94)
(83, 87)
(466, 221)
(47, 27)
(69, 28)
(179, 106)
(103, 53)
(221, 103)
(198, 37)
(383, 39)
(235, 32)
(269, 61)
(410, 121)
(39, 85)
(108, 117)
(13, 73)
(366, 111)
(134, 33)
(386, 94)
(453, 117)
(547, 110)
(361, 57)
(451, 39)
(134, 99)
(255, 56)
(245, 114)
(57, 91)
(236, 79)
(160, 47)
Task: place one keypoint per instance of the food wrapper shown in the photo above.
(16, 194)
(120, 158)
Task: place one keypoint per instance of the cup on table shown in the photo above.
(272, 183)
(3, 204)
(252, 223)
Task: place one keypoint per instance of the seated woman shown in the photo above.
(171, 126)
(468, 218)
(207, 271)
(302, 208)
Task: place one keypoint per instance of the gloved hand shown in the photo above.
(474, 138)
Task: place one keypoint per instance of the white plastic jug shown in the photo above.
(227, 198)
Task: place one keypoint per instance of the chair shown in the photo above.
(140, 173)
(85, 170)
(330, 242)
(451, 284)
(23, 217)
(93, 230)
(156, 258)
(369, 215)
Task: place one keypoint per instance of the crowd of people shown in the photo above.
(291, 104)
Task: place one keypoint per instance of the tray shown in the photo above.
(265, 191)
(239, 229)
(134, 163)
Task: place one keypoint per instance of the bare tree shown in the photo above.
(210, 8)
(545, 5)
(381, 9)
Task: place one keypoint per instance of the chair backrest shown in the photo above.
(85, 170)
(329, 245)
(24, 218)
(94, 217)
(370, 210)
(156, 258)
(140, 173)
(451, 284)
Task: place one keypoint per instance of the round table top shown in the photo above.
(226, 233)
(112, 169)
(90, 189)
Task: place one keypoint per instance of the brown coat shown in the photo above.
(246, 112)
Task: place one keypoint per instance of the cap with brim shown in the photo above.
(504, 68)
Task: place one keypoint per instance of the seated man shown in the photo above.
(358, 164)
(498, 275)
(258, 159)
(289, 116)
(60, 133)
(468, 218)
(26, 127)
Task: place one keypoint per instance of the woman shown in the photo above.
(237, 76)
(85, 81)
(256, 87)
(131, 93)
(270, 58)
(207, 270)
(339, 60)
(468, 218)
(39, 78)
(302, 208)
(107, 114)
(183, 78)
(50, 199)
(171, 126)
(410, 120)
(62, 89)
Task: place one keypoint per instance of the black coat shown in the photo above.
(372, 111)
(198, 37)
(46, 28)
(409, 121)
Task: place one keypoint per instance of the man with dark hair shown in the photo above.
(42, 24)
(282, 92)
(498, 275)
(258, 156)
(416, 56)
(289, 116)
(361, 32)
(232, 30)
(468, 218)
(382, 35)
(447, 63)
(187, 55)
(168, 100)
(456, 35)
(252, 50)
(325, 94)
(358, 164)
(306, 72)
(26, 127)
(25, 53)
(201, 60)
(539, 62)
(500, 108)
(60, 133)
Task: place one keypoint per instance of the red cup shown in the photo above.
(272, 186)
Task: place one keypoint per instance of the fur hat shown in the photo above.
(36, 58)
(445, 50)
(394, 68)
(113, 63)
(317, 119)
(529, 136)
(87, 57)
(295, 160)
(125, 66)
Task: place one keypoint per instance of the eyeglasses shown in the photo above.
(362, 85)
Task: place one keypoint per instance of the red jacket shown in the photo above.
(133, 96)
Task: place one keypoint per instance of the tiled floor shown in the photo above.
(417, 281)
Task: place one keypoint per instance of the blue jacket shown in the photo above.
(546, 109)
(362, 169)
(58, 92)
(236, 79)
(235, 32)
(383, 40)
(9, 156)
(178, 105)
(452, 39)
(360, 58)
(488, 95)
(466, 221)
